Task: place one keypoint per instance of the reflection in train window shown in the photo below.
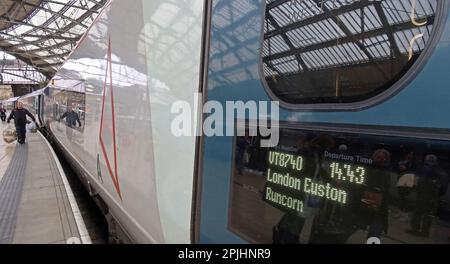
(55, 111)
(318, 52)
(332, 187)
(69, 108)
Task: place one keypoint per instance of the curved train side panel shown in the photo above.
(121, 81)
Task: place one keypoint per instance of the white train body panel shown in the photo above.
(138, 58)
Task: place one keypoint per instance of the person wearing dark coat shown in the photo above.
(431, 185)
(19, 114)
(71, 118)
(376, 196)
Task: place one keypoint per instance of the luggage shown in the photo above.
(9, 134)
(31, 127)
(407, 180)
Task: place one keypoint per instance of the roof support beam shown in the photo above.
(75, 6)
(24, 2)
(317, 18)
(17, 75)
(274, 4)
(390, 32)
(288, 42)
(347, 39)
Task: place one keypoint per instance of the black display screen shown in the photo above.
(332, 187)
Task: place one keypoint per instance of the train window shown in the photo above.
(333, 187)
(339, 52)
(70, 107)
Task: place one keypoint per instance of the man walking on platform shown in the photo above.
(19, 114)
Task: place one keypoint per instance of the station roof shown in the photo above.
(42, 33)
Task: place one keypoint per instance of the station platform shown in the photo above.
(37, 205)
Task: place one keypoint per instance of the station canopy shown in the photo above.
(42, 33)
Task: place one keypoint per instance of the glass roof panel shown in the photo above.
(330, 33)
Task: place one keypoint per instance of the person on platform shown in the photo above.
(375, 197)
(71, 118)
(432, 184)
(3, 114)
(19, 114)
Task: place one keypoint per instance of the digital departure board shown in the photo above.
(330, 187)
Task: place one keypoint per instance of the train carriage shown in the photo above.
(357, 82)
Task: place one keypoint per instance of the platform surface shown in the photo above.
(34, 204)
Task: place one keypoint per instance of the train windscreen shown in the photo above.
(333, 187)
(322, 52)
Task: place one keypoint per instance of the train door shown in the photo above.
(36, 105)
(362, 129)
(40, 108)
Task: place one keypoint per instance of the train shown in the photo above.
(358, 94)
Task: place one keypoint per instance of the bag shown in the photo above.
(288, 229)
(314, 201)
(407, 180)
(371, 200)
(9, 134)
(246, 158)
(31, 127)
